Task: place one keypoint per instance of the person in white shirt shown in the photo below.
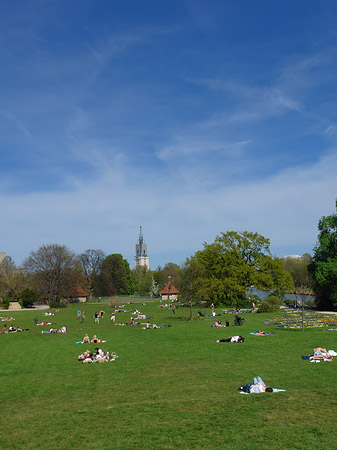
(256, 387)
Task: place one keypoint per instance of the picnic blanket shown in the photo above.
(262, 333)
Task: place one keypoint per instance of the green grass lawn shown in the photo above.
(171, 388)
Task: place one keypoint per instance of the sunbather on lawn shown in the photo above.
(256, 387)
(321, 353)
(232, 339)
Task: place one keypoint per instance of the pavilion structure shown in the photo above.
(170, 293)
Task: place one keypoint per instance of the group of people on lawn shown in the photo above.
(98, 355)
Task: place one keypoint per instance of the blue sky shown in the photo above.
(189, 118)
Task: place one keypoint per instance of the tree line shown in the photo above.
(221, 273)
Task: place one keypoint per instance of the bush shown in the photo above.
(54, 304)
(5, 302)
(28, 297)
(310, 304)
(288, 302)
(270, 303)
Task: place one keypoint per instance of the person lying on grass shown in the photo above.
(55, 330)
(12, 329)
(256, 387)
(321, 353)
(149, 326)
(232, 339)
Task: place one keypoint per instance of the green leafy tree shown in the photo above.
(142, 280)
(323, 267)
(270, 303)
(172, 270)
(299, 270)
(115, 277)
(223, 271)
(12, 279)
(28, 297)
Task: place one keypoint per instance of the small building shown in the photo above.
(78, 295)
(169, 293)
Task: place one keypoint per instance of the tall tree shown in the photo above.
(169, 270)
(298, 269)
(12, 279)
(92, 261)
(223, 271)
(323, 267)
(142, 280)
(53, 269)
(115, 277)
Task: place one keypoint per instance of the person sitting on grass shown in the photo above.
(86, 339)
(98, 356)
(256, 387)
(232, 339)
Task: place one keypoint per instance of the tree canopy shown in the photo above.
(323, 267)
(12, 279)
(91, 262)
(223, 271)
(54, 271)
(298, 269)
(115, 277)
(142, 280)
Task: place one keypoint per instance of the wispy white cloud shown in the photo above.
(105, 213)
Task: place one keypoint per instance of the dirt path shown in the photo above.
(35, 308)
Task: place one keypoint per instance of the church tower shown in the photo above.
(141, 258)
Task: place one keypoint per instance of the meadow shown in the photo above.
(170, 388)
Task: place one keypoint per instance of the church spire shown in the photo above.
(141, 238)
(141, 258)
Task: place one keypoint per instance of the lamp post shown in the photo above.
(169, 288)
(191, 310)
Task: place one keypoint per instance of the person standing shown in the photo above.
(113, 317)
(82, 316)
(96, 316)
(78, 313)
